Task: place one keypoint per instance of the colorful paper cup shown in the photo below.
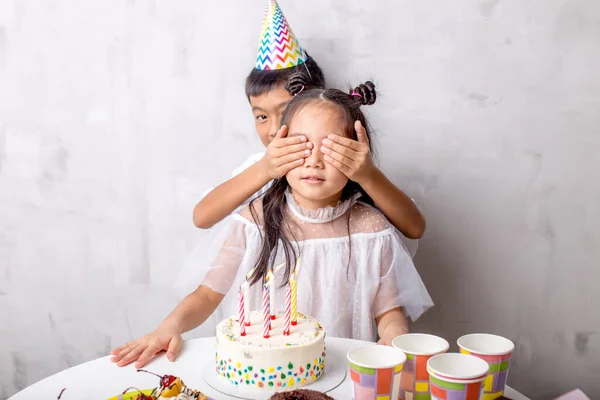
(375, 372)
(496, 351)
(454, 376)
(419, 348)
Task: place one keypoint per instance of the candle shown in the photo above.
(288, 310)
(242, 318)
(271, 281)
(293, 301)
(266, 311)
(294, 290)
(245, 288)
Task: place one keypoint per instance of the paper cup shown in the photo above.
(496, 351)
(375, 371)
(419, 348)
(454, 376)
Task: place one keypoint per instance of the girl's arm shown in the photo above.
(190, 313)
(353, 159)
(391, 324)
(216, 275)
(194, 309)
(282, 155)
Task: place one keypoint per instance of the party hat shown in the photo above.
(279, 47)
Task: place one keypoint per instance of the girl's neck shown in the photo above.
(315, 204)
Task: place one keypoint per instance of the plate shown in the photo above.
(131, 395)
(335, 373)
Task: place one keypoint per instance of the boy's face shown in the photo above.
(268, 109)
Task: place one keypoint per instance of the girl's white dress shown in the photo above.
(354, 267)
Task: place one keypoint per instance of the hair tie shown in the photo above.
(356, 94)
(300, 91)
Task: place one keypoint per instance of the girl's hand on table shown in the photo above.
(164, 338)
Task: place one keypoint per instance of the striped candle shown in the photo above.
(242, 318)
(245, 288)
(271, 280)
(294, 288)
(294, 301)
(266, 312)
(288, 310)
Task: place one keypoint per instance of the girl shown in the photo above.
(355, 274)
(269, 87)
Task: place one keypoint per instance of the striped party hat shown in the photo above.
(279, 47)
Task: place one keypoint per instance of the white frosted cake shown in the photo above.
(278, 362)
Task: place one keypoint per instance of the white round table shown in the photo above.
(100, 379)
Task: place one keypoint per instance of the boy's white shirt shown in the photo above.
(254, 158)
(411, 244)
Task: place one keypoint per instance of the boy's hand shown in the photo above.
(350, 157)
(285, 153)
(142, 350)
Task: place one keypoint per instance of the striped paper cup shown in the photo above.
(419, 348)
(375, 372)
(454, 376)
(496, 351)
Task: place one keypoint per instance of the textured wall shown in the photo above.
(115, 115)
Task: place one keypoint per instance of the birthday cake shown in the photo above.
(276, 362)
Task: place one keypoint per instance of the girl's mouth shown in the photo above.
(313, 180)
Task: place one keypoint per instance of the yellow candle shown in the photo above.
(294, 288)
(294, 301)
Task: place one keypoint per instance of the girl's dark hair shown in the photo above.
(305, 76)
(277, 226)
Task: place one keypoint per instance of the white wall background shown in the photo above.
(115, 115)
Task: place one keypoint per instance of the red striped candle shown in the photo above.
(242, 313)
(266, 312)
(246, 287)
(271, 281)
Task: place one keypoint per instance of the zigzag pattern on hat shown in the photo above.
(278, 47)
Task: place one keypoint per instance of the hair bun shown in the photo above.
(365, 93)
(296, 83)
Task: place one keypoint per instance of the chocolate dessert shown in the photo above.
(301, 394)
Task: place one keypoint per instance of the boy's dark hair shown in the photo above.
(305, 76)
(275, 221)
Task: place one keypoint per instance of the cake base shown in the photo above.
(280, 361)
(335, 373)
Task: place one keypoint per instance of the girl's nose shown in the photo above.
(315, 159)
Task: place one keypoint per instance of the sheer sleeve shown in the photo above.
(216, 260)
(412, 245)
(399, 284)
